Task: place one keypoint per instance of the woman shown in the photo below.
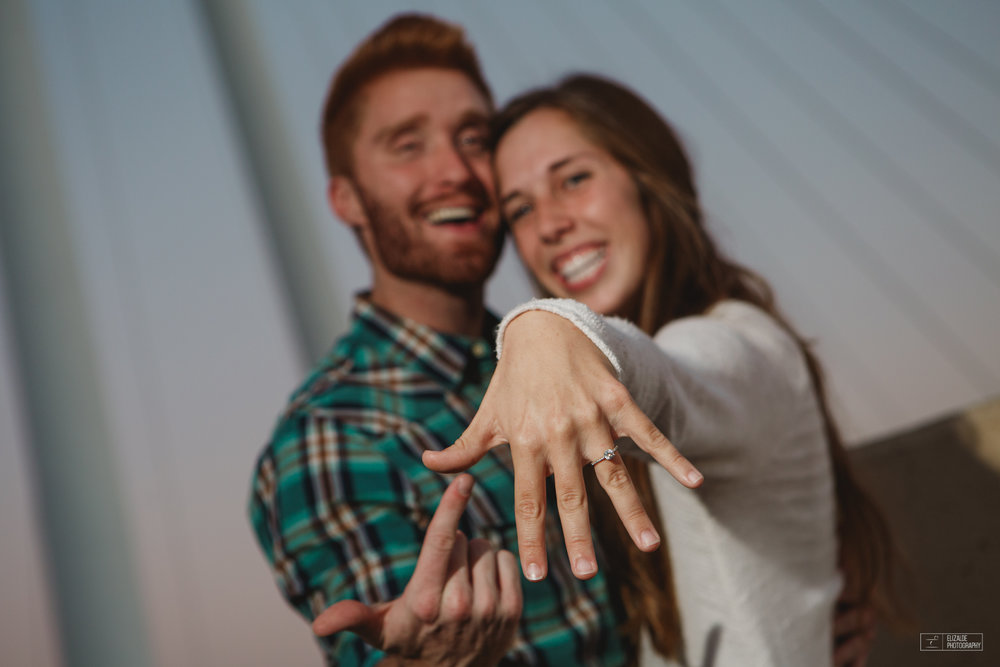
(599, 197)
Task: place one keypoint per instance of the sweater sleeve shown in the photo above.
(712, 383)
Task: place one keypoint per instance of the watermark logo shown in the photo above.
(951, 641)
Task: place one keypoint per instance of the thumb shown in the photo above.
(350, 615)
(471, 446)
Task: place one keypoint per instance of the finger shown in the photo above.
(854, 619)
(485, 586)
(431, 571)
(456, 598)
(614, 478)
(629, 420)
(471, 446)
(509, 579)
(850, 651)
(571, 499)
(349, 615)
(846, 622)
(529, 512)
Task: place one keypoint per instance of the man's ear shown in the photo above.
(345, 202)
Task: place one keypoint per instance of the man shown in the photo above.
(341, 502)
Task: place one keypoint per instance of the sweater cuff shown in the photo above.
(590, 323)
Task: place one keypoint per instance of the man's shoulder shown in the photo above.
(350, 376)
(361, 391)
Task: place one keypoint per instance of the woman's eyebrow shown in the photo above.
(559, 164)
(508, 197)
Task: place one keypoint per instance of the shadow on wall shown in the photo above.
(940, 487)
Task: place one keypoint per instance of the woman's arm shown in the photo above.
(570, 383)
(718, 385)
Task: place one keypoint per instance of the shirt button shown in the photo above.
(480, 349)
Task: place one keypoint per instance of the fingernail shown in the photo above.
(694, 477)
(533, 572)
(465, 485)
(585, 566)
(649, 538)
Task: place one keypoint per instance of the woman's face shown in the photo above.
(574, 213)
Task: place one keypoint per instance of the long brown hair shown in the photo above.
(688, 275)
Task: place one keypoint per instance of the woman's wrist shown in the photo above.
(577, 314)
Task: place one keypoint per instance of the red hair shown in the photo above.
(408, 41)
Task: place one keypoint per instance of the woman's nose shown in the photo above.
(554, 221)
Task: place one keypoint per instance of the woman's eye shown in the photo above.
(576, 179)
(515, 213)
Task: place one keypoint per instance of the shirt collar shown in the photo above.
(443, 355)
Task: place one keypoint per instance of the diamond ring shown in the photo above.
(608, 455)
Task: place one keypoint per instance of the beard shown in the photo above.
(406, 253)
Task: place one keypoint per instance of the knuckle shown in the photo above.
(457, 606)
(479, 545)
(486, 607)
(529, 509)
(439, 541)
(530, 545)
(657, 440)
(578, 543)
(514, 607)
(425, 607)
(571, 500)
(561, 427)
(617, 478)
(674, 456)
(635, 513)
(529, 444)
(616, 396)
(588, 414)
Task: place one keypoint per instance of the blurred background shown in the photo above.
(169, 270)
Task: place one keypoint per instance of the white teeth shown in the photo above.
(582, 266)
(450, 214)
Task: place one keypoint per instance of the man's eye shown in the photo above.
(406, 147)
(574, 180)
(472, 141)
(515, 213)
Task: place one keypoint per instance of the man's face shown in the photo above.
(423, 177)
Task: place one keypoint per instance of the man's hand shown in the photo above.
(853, 634)
(460, 607)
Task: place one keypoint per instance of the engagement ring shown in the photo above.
(608, 455)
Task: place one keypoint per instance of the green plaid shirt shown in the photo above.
(340, 499)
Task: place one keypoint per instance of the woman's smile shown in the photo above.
(581, 267)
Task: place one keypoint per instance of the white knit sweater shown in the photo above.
(754, 548)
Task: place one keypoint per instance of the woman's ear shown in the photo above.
(345, 202)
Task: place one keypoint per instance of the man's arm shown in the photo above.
(460, 607)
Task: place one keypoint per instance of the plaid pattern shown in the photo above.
(340, 499)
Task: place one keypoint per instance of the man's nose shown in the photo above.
(450, 166)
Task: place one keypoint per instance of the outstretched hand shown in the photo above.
(460, 607)
(555, 398)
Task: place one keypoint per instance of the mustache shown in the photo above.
(478, 194)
